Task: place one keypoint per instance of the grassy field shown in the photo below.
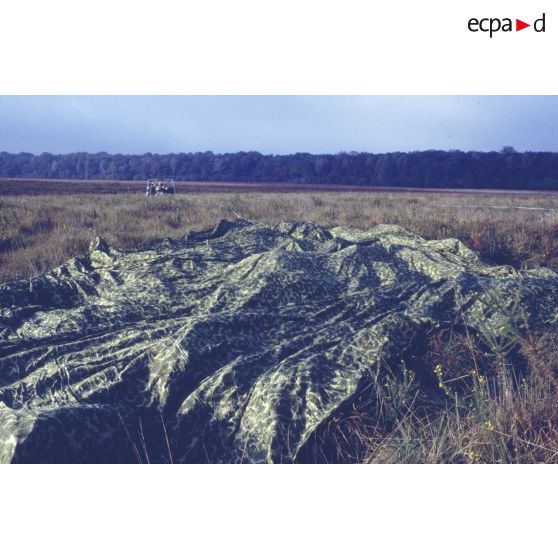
(40, 232)
(440, 407)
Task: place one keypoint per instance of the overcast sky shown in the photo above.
(281, 124)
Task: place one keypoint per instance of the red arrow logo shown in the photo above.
(519, 25)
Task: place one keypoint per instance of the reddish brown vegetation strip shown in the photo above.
(35, 186)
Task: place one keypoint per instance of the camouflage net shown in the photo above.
(230, 345)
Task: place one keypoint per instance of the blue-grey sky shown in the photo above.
(276, 124)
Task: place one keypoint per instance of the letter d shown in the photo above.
(536, 24)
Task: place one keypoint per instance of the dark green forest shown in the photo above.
(505, 169)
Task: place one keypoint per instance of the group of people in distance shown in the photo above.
(159, 188)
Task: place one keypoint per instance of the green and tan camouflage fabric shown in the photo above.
(230, 345)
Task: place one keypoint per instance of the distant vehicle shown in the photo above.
(160, 187)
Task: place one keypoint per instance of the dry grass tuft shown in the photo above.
(459, 405)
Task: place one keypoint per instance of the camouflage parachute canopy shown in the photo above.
(230, 345)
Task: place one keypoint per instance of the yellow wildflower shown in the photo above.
(473, 455)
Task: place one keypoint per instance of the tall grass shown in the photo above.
(453, 398)
(40, 232)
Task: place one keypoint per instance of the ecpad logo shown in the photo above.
(493, 25)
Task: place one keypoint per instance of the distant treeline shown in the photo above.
(432, 169)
